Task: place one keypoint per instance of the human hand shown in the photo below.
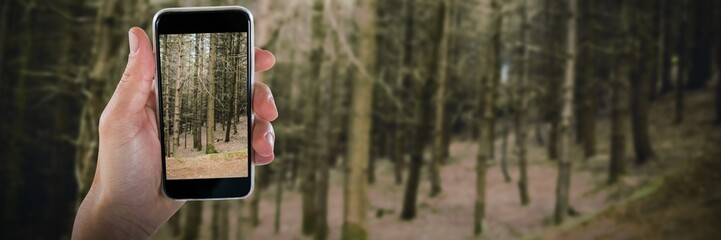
(125, 200)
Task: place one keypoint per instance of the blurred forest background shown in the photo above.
(408, 119)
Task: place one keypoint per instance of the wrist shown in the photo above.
(99, 218)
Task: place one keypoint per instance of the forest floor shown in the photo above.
(216, 165)
(230, 161)
(677, 195)
(681, 196)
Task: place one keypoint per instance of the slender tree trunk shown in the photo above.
(282, 170)
(310, 185)
(700, 71)
(564, 162)
(178, 96)
(371, 176)
(664, 63)
(588, 86)
(210, 129)
(618, 119)
(504, 155)
(442, 92)
(403, 79)
(232, 81)
(639, 98)
(324, 133)
(520, 120)
(553, 140)
(421, 87)
(257, 195)
(3, 29)
(487, 101)
(355, 204)
(197, 98)
(193, 220)
(718, 81)
(399, 151)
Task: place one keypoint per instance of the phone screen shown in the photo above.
(203, 85)
(205, 104)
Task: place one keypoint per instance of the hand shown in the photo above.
(125, 200)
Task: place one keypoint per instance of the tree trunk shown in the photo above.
(262, 176)
(209, 129)
(236, 93)
(639, 99)
(553, 140)
(522, 105)
(408, 211)
(220, 220)
(700, 71)
(193, 220)
(718, 82)
(233, 82)
(486, 128)
(403, 79)
(399, 151)
(504, 155)
(325, 103)
(178, 96)
(442, 92)
(197, 98)
(282, 170)
(588, 85)
(618, 127)
(664, 53)
(355, 204)
(564, 162)
(3, 29)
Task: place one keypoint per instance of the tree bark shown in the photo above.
(504, 155)
(618, 127)
(281, 172)
(522, 105)
(700, 71)
(639, 99)
(487, 101)
(683, 64)
(355, 203)
(441, 98)
(193, 220)
(588, 85)
(209, 129)
(178, 95)
(325, 102)
(564, 162)
(230, 84)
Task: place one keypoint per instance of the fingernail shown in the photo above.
(271, 141)
(271, 101)
(132, 41)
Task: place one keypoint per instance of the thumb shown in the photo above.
(135, 86)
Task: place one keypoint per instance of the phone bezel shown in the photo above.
(205, 20)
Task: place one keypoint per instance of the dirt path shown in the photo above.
(448, 216)
(219, 165)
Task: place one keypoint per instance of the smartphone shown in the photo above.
(204, 81)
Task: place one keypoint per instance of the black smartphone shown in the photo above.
(204, 81)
